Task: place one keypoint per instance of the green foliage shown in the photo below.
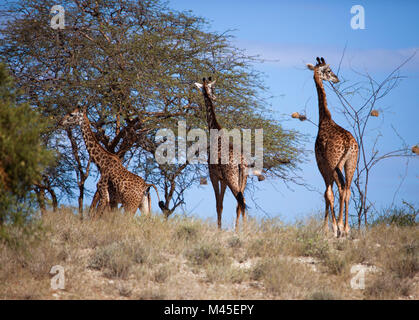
(402, 216)
(22, 154)
(311, 242)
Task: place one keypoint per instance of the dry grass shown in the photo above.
(118, 257)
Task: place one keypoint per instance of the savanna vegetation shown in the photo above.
(118, 257)
(132, 65)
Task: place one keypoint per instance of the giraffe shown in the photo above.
(130, 190)
(233, 175)
(335, 149)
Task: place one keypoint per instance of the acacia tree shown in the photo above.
(133, 65)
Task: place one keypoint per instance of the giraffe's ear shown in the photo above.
(310, 66)
(198, 85)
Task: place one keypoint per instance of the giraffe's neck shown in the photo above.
(211, 118)
(98, 154)
(324, 113)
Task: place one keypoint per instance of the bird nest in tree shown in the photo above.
(259, 174)
(296, 115)
(203, 181)
(261, 177)
(375, 113)
(415, 149)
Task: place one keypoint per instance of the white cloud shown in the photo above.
(296, 56)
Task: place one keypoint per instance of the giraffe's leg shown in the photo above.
(113, 198)
(244, 213)
(243, 181)
(102, 187)
(330, 199)
(240, 211)
(219, 201)
(130, 208)
(326, 213)
(145, 206)
(347, 197)
(149, 202)
(95, 201)
(350, 167)
(113, 202)
(342, 196)
(223, 187)
(328, 193)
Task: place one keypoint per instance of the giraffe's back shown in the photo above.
(334, 144)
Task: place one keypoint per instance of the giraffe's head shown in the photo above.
(74, 118)
(207, 87)
(323, 71)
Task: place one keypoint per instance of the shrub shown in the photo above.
(117, 258)
(388, 286)
(187, 232)
(205, 254)
(405, 262)
(312, 243)
(336, 264)
(234, 242)
(404, 216)
(124, 290)
(279, 275)
(322, 295)
(161, 274)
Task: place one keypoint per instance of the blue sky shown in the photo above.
(290, 34)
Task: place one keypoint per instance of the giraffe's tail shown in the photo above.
(340, 177)
(240, 200)
(242, 184)
(161, 203)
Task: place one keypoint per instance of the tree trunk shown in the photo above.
(54, 200)
(81, 197)
(40, 195)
